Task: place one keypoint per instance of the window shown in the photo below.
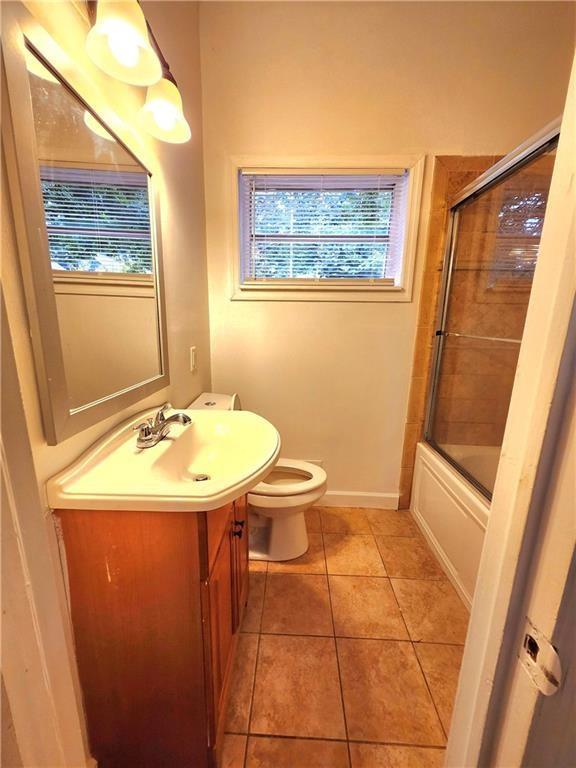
(518, 232)
(97, 220)
(323, 230)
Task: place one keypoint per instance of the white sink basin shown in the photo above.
(234, 449)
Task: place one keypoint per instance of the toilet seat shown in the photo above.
(276, 506)
(313, 477)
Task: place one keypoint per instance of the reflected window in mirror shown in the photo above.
(99, 227)
(97, 220)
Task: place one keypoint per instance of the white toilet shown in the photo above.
(277, 504)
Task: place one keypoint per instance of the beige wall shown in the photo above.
(179, 170)
(350, 79)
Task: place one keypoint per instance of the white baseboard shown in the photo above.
(360, 499)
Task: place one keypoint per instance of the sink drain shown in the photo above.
(201, 478)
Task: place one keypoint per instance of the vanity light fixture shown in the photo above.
(118, 42)
(96, 126)
(162, 114)
(114, 44)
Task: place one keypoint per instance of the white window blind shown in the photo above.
(322, 228)
(520, 221)
(97, 220)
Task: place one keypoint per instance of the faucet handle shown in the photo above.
(144, 429)
(159, 418)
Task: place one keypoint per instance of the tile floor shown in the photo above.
(349, 656)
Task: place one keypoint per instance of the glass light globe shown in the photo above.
(162, 114)
(118, 43)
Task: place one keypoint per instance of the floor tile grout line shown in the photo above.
(381, 556)
(245, 755)
(419, 664)
(420, 578)
(371, 526)
(444, 731)
(331, 739)
(401, 613)
(407, 639)
(361, 575)
(407, 537)
(371, 532)
(336, 654)
(348, 533)
(386, 574)
(244, 764)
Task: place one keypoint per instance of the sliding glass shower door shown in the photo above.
(495, 239)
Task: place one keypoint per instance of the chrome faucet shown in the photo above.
(151, 431)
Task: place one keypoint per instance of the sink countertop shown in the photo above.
(236, 449)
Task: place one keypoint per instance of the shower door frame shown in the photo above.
(519, 157)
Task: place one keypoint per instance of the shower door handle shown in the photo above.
(478, 338)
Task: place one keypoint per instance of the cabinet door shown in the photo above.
(135, 604)
(217, 526)
(240, 558)
(221, 610)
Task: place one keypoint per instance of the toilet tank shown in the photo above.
(215, 402)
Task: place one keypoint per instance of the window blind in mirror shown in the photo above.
(97, 220)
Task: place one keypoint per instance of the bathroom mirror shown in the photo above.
(92, 262)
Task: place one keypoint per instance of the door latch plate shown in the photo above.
(540, 660)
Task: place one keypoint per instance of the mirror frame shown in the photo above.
(19, 143)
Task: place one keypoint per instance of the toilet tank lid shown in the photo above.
(216, 402)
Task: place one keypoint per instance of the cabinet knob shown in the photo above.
(239, 523)
(237, 533)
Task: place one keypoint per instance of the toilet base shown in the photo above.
(277, 538)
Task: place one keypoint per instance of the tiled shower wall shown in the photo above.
(451, 174)
(495, 257)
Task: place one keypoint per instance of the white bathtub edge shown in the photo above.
(443, 559)
(452, 516)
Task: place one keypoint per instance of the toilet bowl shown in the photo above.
(276, 508)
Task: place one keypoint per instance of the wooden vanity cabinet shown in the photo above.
(240, 552)
(156, 600)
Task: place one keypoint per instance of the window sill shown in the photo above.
(369, 293)
(104, 284)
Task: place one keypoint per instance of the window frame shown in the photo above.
(354, 290)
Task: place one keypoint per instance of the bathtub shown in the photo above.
(450, 512)
(481, 461)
